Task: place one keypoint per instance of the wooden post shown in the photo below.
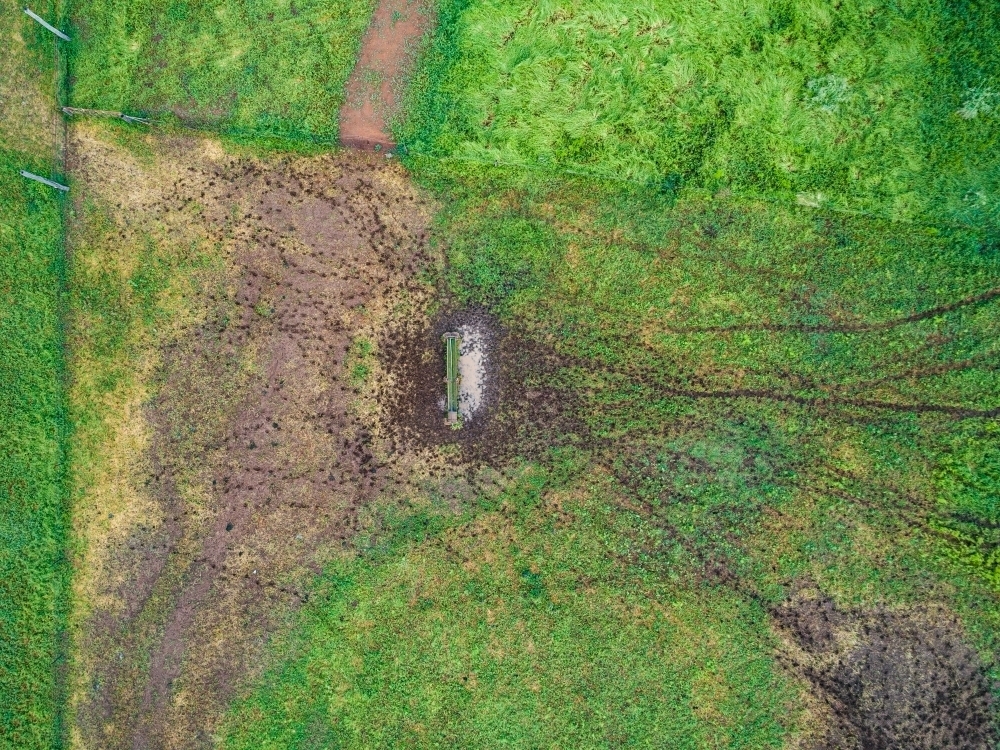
(47, 25)
(42, 180)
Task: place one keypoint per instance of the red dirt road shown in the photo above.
(375, 86)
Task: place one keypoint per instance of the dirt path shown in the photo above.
(375, 86)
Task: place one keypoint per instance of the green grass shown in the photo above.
(793, 392)
(769, 391)
(507, 629)
(33, 431)
(257, 72)
(863, 106)
(29, 86)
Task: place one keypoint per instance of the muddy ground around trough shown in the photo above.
(256, 463)
(523, 409)
(282, 397)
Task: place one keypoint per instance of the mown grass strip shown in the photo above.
(33, 432)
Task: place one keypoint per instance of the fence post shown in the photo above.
(44, 181)
(47, 25)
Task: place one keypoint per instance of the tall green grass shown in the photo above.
(890, 109)
(33, 522)
(249, 70)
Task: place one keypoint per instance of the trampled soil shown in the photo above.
(376, 84)
(258, 462)
(889, 680)
(522, 413)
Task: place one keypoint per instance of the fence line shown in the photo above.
(106, 113)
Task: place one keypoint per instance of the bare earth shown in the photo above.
(255, 465)
(375, 86)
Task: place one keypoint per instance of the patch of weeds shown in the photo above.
(977, 101)
(827, 92)
(360, 361)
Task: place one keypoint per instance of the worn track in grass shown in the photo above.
(375, 86)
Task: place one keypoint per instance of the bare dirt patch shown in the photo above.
(258, 463)
(375, 86)
(889, 680)
(521, 410)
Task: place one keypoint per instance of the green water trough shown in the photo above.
(452, 345)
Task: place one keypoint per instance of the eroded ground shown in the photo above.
(375, 87)
(232, 461)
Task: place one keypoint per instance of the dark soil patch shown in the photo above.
(524, 412)
(415, 359)
(375, 86)
(892, 680)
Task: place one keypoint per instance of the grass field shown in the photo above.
(34, 573)
(745, 260)
(854, 105)
(757, 324)
(764, 411)
(515, 627)
(33, 431)
(258, 72)
(777, 394)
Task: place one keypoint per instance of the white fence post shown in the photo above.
(42, 180)
(47, 25)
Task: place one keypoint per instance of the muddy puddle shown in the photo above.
(887, 679)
